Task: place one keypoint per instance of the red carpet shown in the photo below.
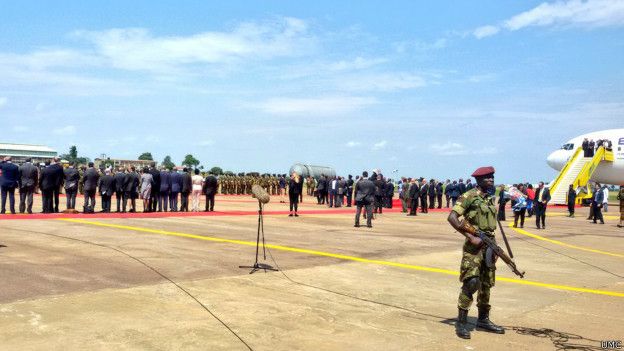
(341, 210)
(226, 198)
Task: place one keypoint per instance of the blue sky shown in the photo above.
(432, 89)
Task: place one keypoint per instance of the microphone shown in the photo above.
(260, 194)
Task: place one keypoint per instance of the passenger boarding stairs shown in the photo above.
(577, 171)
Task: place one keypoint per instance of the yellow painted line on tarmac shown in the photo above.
(338, 256)
(561, 243)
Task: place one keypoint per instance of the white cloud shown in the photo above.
(15, 72)
(138, 49)
(380, 82)
(479, 78)
(51, 57)
(454, 149)
(449, 149)
(589, 13)
(380, 145)
(592, 13)
(67, 130)
(485, 31)
(353, 144)
(356, 64)
(316, 106)
(206, 143)
(420, 46)
(3, 101)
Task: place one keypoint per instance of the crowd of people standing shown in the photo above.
(161, 189)
(590, 146)
(164, 189)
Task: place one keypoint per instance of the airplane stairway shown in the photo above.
(577, 171)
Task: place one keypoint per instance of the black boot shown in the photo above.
(461, 326)
(484, 323)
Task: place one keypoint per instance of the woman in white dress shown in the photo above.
(198, 182)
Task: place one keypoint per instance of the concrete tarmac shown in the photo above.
(110, 283)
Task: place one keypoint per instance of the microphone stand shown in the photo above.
(258, 266)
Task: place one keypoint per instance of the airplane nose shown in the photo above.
(557, 159)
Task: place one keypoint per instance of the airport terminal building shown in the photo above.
(20, 152)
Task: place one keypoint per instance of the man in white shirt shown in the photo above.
(333, 191)
(605, 201)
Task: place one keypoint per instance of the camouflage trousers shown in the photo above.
(473, 264)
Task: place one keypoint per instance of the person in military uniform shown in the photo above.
(81, 181)
(476, 273)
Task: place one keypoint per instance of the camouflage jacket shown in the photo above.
(478, 209)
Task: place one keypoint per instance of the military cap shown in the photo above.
(483, 171)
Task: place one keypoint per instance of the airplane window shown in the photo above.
(567, 147)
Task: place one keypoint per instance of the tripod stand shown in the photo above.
(258, 266)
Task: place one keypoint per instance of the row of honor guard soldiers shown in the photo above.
(241, 183)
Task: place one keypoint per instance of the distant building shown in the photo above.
(100, 163)
(20, 152)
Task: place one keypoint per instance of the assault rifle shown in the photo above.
(498, 251)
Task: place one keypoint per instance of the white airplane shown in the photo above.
(606, 172)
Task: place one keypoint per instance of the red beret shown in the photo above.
(483, 171)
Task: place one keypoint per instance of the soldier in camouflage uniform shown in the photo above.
(274, 185)
(310, 186)
(477, 275)
(81, 181)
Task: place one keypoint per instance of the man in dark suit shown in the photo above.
(571, 200)
(440, 193)
(106, 183)
(542, 196)
(469, 185)
(72, 178)
(461, 186)
(90, 181)
(424, 192)
(432, 193)
(341, 186)
(380, 184)
(47, 184)
(321, 190)
(57, 171)
(176, 187)
(210, 189)
(165, 187)
(365, 197)
(349, 190)
(597, 203)
(585, 146)
(590, 147)
(413, 195)
(120, 179)
(130, 185)
(28, 180)
(155, 195)
(8, 183)
(502, 202)
(187, 187)
(388, 193)
(332, 190)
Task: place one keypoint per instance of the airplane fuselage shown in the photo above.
(606, 172)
